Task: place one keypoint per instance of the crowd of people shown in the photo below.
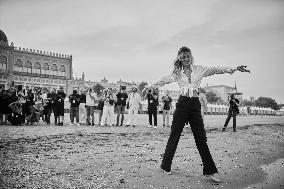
(36, 106)
(29, 106)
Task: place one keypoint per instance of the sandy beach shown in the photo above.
(127, 157)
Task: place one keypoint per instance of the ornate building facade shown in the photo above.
(32, 68)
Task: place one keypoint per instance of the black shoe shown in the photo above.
(133, 125)
(167, 172)
(93, 124)
(127, 125)
(234, 130)
(223, 129)
(117, 125)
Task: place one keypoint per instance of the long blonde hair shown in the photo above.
(178, 65)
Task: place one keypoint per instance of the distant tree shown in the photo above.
(248, 103)
(141, 86)
(267, 103)
(98, 88)
(212, 97)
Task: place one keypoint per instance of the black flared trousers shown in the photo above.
(188, 111)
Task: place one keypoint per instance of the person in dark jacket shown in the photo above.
(74, 99)
(121, 104)
(13, 93)
(4, 105)
(60, 106)
(233, 111)
(167, 105)
(16, 117)
(30, 98)
(51, 107)
(152, 107)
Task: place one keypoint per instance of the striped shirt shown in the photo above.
(189, 83)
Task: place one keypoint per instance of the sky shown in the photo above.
(136, 40)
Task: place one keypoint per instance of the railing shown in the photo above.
(39, 75)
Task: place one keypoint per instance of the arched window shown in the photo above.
(61, 71)
(3, 62)
(37, 68)
(18, 66)
(27, 67)
(54, 70)
(45, 69)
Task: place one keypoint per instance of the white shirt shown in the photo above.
(90, 99)
(134, 100)
(44, 97)
(197, 73)
(22, 99)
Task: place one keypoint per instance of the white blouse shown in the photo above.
(197, 73)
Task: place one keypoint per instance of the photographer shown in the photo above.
(90, 106)
(23, 100)
(108, 109)
(121, 104)
(60, 106)
(46, 102)
(52, 96)
(82, 107)
(153, 104)
(100, 106)
(167, 106)
(13, 93)
(233, 111)
(74, 99)
(134, 101)
(30, 98)
(4, 106)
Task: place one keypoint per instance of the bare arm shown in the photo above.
(208, 71)
(161, 82)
